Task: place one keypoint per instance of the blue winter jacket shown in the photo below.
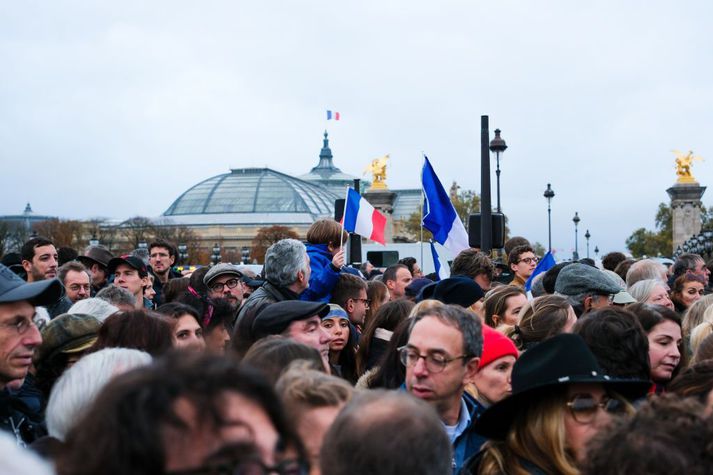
(469, 442)
(324, 275)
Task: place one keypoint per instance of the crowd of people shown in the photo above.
(121, 365)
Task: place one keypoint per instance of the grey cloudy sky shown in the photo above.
(115, 108)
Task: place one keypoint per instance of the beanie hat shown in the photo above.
(495, 345)
(461, 291)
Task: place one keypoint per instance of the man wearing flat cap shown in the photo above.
(19, 336)
(586, 287)
(298, 320)
(224, 281)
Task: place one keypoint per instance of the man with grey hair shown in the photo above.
(441, 357)
(688, 263)
(586, 287)
(96, 307)
(118, 297)
(287, 274)
(386, 432)
(77, 280)
(646, 269)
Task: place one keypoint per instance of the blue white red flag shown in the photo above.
(546, 263)
(361, 218)
(331, 115)
(442, 269)
(439, 214)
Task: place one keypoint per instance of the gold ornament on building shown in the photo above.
(377, 168)
(684, 161)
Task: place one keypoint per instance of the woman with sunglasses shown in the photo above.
(560, 400)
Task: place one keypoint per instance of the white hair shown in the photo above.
(97, 308)
(643, 289)
(16, 460)
(77, 388)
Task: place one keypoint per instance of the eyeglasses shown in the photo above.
(608, 297)
(218, 286)
(529, 260)
(367, 302)
(21, 325)
(435, 363)
(584, 407)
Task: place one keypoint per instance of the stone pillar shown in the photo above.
(685, 211)
(383, 200)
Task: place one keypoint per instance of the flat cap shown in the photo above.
(580, 278)
(68, 333)
(221, 269)
(461, 291)
(276, 317)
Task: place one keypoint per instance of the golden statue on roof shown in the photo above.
(684, 161)
(377, 168)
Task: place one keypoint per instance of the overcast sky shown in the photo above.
(115, 108)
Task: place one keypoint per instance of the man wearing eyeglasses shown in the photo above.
(441, 357)
(19, 336)
(522, 261)
(224, 282)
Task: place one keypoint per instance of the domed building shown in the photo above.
(229, 209)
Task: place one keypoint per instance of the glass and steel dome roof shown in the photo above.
(253, 190)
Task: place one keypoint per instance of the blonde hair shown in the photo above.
(425, 306)
(698, 334)
(537, 436)
(695, 314)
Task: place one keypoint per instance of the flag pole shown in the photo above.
(422, 200)
(344, 212)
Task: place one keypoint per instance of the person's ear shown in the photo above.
(172, 259)
(27, 265)
(587, 302)
(471, 369)
(496, 319)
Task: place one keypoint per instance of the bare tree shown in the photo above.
(266, 237)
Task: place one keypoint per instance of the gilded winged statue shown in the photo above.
(377, 168)
(684, 161)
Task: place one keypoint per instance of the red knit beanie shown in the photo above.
(495, 345)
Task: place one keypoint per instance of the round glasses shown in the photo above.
(435, 362)
(219, 286)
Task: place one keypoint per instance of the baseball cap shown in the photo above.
(14, 289)
(131, 261)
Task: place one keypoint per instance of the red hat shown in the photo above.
(495, 345)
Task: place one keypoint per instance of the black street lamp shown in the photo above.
(498, 146)
(575, 220)
(182, 253)
(94, 241)
(549, 194)
(215, 257)
(143, 245)
(587, 236)
(245, 253)
(596, 252)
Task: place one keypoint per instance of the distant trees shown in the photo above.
(268, 236)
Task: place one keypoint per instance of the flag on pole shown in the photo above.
(361, 218)
(439, 214)
(546, 263)
(333, 115)
(442, 269)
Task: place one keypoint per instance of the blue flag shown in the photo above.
(442, 271)
(439, 215)
(546, 263)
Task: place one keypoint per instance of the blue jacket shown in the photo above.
(324, 275)
(469, 442)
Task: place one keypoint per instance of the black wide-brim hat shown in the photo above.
(560, 360)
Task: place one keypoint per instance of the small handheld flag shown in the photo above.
(439, 215)
(361, 218)
(442, 270)
(546, 263)
(333, 115)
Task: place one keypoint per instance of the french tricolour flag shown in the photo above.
(361, 218)
(439, 215)
(332, 115)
